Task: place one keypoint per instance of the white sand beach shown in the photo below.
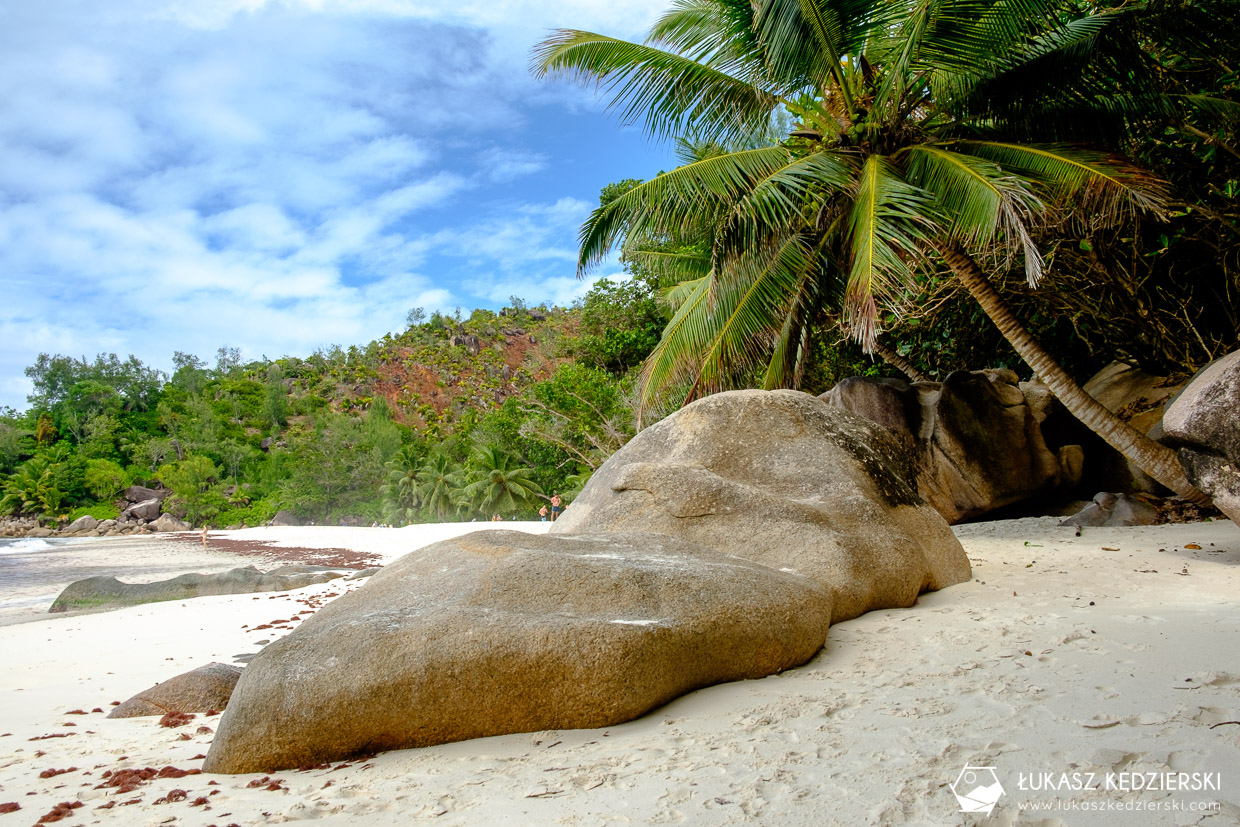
(1115, 653)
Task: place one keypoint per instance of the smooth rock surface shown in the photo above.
(498, 632)
(83, 523)
(140, 493)
(108, 592)
(166, 522)
(1109, 509)
(1140, 399)
(785, 480)
(199, 690)
(1204, 423)
(975, 439)
(285, 518)
(145, 510)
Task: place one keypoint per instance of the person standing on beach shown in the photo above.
(204, 535)
(555, 506)
(542, 513)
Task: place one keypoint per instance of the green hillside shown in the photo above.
(452, 419)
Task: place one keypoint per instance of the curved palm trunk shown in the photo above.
(899, 363)
(1157, 460)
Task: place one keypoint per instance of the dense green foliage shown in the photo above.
(452, 419)
(834, 152)
(814, 184)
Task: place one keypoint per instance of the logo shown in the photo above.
(977, 789)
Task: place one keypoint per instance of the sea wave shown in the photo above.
(24, 546)
(30, 545)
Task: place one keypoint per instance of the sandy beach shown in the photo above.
(1068, 661)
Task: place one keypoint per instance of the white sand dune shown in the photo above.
(1114, 652)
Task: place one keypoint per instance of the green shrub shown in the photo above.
(104, 478)
(102, 511)
(255, 514)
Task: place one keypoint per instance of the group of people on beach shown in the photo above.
(556, 508)
(557, 505)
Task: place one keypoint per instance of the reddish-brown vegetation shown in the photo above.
(175, 719)
(62, 810)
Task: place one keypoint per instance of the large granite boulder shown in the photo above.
(1204, 423)
(82, 524)
(502, 631)
(1140, 399)
(199, 690)
(785, 480)
(146, 510)
(166, 522)
(140, 493)
(1110, 510)
(110, 593)
(468, 341)
(975, 440)
(285, 518)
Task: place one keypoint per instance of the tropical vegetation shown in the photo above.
(863, 187)
(451, 419)
(841, 155)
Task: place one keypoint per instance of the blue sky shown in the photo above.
(280, 176)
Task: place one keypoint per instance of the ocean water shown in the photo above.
(34, 571)
(26, 545)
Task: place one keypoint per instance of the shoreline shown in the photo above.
(145, 558)
(1106, 653)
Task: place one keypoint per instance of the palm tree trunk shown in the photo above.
(1157, 460)
(898, 362)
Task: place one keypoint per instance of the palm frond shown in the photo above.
(1104, 185)
(717, 32)
(980, 203)
(675, 202)
(672, 360)
(786, 198)
(750, 303)
(807, 42)
(672, 267)
(1228, 110)
(981, 38)
(888, 221)
(676, 295)
(791, 348)
(729, 323)
(671, 93)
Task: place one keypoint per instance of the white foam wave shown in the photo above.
(25, 546)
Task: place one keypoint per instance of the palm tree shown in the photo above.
(439, 486)
(400, 492)
(892, 168)
(499, 488)
(32, 489)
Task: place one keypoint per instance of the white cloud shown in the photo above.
(272, 174)
(508, 164)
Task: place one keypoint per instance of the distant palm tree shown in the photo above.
(439, 485)
(400, 493)
(894, 165)
(497, 486)
(32, 488)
